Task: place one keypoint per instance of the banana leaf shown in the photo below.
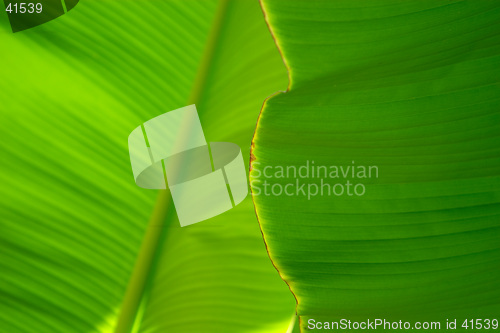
(412, 89)
(82, 248)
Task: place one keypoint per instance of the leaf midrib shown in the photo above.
(164, 210)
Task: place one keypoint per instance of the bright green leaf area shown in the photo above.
(72, 219)
(411, 87)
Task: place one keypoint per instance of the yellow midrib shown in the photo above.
(136, 293)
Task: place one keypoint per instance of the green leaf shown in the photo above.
(73, 220)
(411, 87)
